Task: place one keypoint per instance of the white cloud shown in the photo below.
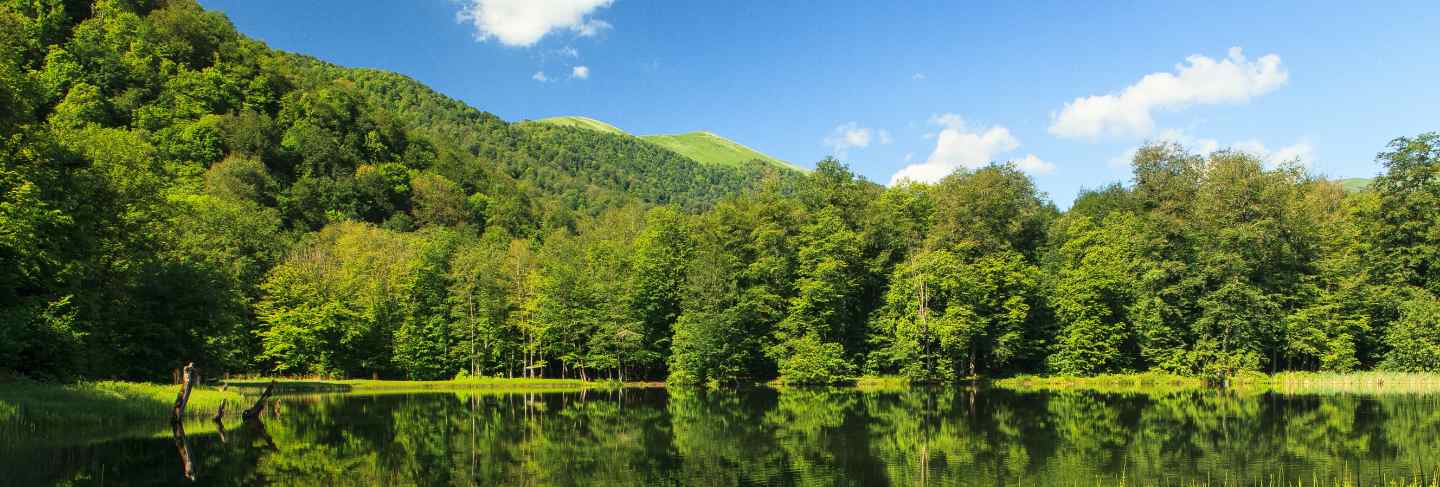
(519, 23)
(1191, 142)
(540, 76)
(592, 27)
(957, 146)
(948, 120)
(1034, 165)
(1202, 81)
(918, 76)
(568, 51)
(1300, 151)
(580, 72)
(852, 136)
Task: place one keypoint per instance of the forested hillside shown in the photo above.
(172, 191)
(157, 164)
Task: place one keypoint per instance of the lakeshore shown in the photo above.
(113, 401)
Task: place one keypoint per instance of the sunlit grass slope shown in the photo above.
(704, 147)
(584, 123)
(1352, 185)
(713, 149)
(97, 402)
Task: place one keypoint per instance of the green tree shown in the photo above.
(1095, 292)
(1414, 338)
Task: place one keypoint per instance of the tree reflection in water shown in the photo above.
(762, 436)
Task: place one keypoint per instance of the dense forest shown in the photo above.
(173, 191)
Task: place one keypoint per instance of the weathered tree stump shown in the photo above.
(189, 378)
(259, 407)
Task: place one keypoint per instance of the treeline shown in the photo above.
(174, 191)
(1202, 265)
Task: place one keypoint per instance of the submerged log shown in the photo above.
(259, 407)
(190, 377)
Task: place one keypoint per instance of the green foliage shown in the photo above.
(1407, 227)
(1414, 338)
(809, 360)
(172, 191)
(1094, 292)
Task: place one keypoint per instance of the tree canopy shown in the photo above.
(173, 191)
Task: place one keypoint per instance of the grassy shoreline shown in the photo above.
(101, 402)
(106, 401)
(357, 385)
(83, 403)
(1369, 383)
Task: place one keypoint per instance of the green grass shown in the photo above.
(1367, 383)
(99, 402)
(584, 123)
(882, 383)
(1353, 185)
(1114, 383)
(709, 148)
(704, 147)
(360, 385)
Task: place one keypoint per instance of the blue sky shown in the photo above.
(916, 89)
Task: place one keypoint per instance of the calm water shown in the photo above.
(955, 436)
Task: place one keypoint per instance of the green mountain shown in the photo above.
(1353, 185)
(704, 147)
(584, 123)
(713, 149)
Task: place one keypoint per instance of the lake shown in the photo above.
(760, 436)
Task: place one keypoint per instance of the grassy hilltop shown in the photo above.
(704, 147)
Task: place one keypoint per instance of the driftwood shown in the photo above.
(259, 407)
(190, 377)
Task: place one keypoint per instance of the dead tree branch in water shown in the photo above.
(259, 407)
(190, 377)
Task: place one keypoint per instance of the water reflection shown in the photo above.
(919, 436)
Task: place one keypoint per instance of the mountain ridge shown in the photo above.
(702, 145)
